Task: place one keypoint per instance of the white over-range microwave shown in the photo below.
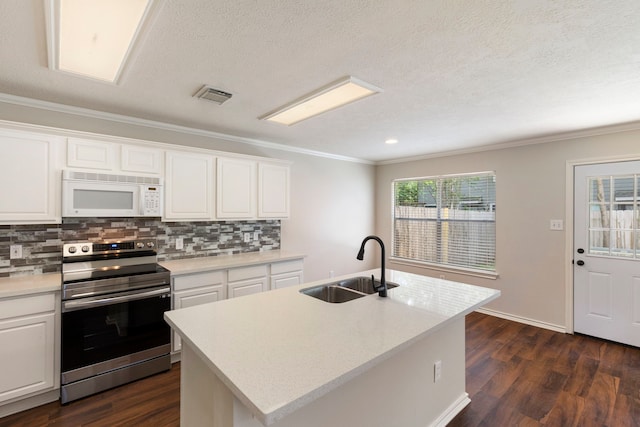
(88, 194)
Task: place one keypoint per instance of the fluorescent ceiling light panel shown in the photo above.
(94, 38)
(334, 95)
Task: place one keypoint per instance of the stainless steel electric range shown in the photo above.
(114, 295)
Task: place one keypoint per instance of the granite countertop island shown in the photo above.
(284, 358)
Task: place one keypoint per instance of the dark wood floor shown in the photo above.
(517, 375)
(150, 402)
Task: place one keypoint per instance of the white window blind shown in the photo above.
(446, 220)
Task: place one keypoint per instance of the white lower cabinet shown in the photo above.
(28, 350)
(247, 280)
(286, 273)
(196, 289)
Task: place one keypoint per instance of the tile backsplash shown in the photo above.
(42, 244)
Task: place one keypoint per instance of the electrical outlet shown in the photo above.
(247, 237)
(256, 235)
(556, 225)
(331, 274)
(437, 371)
(179, 243)
(15, 252)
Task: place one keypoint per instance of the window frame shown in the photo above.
(449, 268)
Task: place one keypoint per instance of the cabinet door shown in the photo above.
(273, 191)
(247, 287)
(286, 273)
(184, 299)
(189, 186)
(236, 185)
(285, 280)
(141, 159)
(27, 355)
(85, 153)
(30, 178)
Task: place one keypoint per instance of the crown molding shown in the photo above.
(102, 115)
(95, 114)
(583, 133)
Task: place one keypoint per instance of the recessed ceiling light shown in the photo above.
(93, 38)
(334, 95)
(391, 141)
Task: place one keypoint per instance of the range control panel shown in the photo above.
(99, 248)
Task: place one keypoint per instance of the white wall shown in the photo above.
(332, 201)
(530, 190)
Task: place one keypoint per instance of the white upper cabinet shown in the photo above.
(236, 185)
(84, 153)
(252, 189)
(188, 186)
(30, 178)
(273, 190)
(141, 159)
(113, 157)
(241, 187)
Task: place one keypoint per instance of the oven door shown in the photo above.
(106, 332)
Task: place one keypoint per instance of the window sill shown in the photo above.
(463, 271)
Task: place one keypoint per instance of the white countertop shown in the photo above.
(51, 282)
(29, 284)
(196, 265)
(279, 350)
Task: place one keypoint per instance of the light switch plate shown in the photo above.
(179, 243)
(556, 225)
(247, 237)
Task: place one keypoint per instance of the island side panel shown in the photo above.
(204, 399)
(400, 391)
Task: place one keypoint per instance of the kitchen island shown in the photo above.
(286, 359)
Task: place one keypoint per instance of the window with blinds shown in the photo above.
(446, 220)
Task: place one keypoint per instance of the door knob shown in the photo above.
(580, 262)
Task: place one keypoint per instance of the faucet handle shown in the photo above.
(373, 284)
(381, 289)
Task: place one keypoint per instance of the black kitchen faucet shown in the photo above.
(382, 288)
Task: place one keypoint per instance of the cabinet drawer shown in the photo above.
(24, 306)
(286, 266)
(197, 280)
(245, 273)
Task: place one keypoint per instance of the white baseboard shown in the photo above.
(451, 412)
(526, 321)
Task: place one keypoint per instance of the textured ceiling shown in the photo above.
(456, 74)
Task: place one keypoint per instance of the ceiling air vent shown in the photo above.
(214, 95)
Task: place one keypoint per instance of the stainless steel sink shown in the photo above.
(362, 284)
(332, 293)
(344, 290)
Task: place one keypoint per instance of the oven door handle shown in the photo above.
(100, 301)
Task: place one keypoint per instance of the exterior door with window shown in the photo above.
(607, 251)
